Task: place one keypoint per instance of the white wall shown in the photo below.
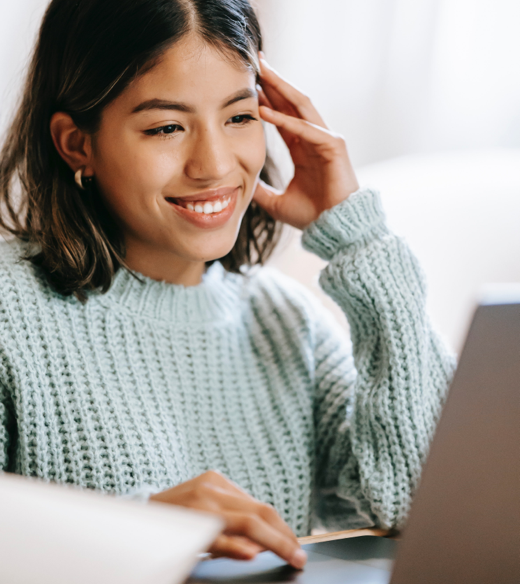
(399, 77)
(427, 94)
(394, 76)
(19, 22)
(459, 212)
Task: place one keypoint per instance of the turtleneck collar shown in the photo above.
(215, 298)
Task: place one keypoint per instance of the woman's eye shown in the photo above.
(163, 130)
(242, 119)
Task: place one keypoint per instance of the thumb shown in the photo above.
(267, 197)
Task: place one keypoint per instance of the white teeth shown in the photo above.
(207, 207)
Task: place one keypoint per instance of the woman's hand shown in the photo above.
(323, 174)
(251, 526)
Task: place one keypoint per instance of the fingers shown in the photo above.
(258, 521)
(285, 97)
(278, 101)
(236, 547)
(264, 100)
(230, 496)
(251, 526)
(262, 97)
(303, 129)
(269, 514)
(260, 532)
(267, 197)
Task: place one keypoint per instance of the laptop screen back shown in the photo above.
(465, 522)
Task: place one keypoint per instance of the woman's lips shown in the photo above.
(209, 195)
(208, 209)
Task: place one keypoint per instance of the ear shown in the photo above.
(72, 144)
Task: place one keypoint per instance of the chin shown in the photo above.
(209, 251)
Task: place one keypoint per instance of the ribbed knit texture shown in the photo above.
(152, 384)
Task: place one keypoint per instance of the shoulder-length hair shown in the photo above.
(87, 53)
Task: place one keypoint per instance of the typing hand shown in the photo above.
(250, 526)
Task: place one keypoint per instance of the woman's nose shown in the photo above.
(211, 157)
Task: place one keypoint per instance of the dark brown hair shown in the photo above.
(87, 53)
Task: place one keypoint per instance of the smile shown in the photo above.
(209, 209)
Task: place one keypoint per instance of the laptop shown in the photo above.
(56, 534)
(464, 526)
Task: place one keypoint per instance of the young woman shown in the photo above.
(138, 355)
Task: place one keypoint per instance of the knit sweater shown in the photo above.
(151, 384)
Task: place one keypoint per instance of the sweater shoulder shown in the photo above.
(20, 280)
(280, 301)
(286, 296)
(281, 291)
(12, 262)
(10, 252)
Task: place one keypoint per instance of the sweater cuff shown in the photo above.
(141, 494)
(356, 220)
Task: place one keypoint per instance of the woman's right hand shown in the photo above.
(250, 526)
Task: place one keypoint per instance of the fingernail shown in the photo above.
(299, 559)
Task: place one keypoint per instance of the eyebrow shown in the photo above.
(162, 104)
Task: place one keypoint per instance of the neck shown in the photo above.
(164, 266)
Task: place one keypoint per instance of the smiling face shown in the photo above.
(177, 158)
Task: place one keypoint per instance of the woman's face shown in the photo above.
(178, 154)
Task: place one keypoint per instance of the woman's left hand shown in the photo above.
(323, 175)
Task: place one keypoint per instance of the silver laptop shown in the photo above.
(464, 527)
(57, 534)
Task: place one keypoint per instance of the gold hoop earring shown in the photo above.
(78, 177)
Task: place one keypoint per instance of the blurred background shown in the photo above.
(427, 94)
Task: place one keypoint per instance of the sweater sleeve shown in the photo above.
(141, 494)
(6, 423)
(375, 417)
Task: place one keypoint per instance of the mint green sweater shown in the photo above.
(152, 384)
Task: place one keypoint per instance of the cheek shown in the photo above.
(132, 172)
(252, 154)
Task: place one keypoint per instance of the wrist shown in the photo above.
(142, 494)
